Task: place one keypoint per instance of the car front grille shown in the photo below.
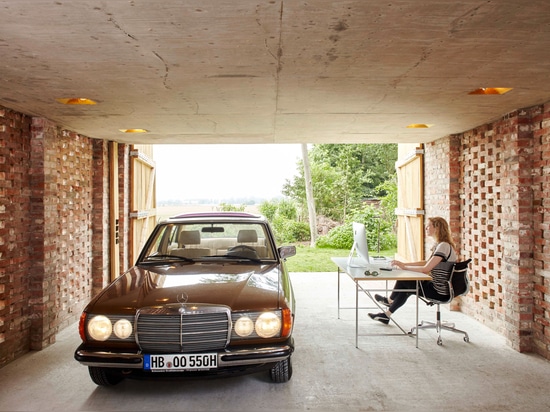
(183, 328)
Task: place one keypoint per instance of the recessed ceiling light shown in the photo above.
(491, 90)
(133, 130)
(419, 126)
(76, 100)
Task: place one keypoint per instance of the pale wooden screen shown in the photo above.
(143, 212)
(410, 203)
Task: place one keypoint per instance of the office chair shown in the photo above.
(459, 285)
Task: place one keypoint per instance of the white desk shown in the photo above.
(357, 274)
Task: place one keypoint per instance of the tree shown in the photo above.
(310, 200)
(343, 176)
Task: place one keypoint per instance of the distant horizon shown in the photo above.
(223, 173)
(240, 200)
(166, 211)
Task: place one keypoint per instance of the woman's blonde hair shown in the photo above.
(442, 230)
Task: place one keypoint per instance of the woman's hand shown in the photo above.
(397, 263)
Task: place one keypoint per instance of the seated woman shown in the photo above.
(437, 288)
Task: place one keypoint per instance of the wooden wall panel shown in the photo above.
(410, 206)
(143, 197)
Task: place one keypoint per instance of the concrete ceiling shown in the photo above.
(273, 71)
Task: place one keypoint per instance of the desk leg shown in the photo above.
(416, 314)
(356, 314)
(338, 274)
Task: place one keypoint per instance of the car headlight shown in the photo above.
(244, 326)
(255, 325)
(268, 325)
(122, 328)
(100, 328)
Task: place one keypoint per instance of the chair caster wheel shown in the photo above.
(466, 339)
(439, 341)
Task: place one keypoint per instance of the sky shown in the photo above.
(190, 171)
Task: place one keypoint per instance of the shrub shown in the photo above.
(268, 209)
(341, 237)
(287, 209)
(282, 216)
(296, 231)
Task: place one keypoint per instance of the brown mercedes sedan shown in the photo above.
(208, 295)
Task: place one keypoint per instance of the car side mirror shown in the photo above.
(287, 251)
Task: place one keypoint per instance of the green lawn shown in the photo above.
(309, 259)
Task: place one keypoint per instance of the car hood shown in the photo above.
(238, 286)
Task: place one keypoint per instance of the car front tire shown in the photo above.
(282, 371)
(104, 376)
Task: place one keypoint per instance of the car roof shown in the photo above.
(218, 216)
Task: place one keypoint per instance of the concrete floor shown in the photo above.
(330, 373)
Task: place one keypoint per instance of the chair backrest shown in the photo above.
(441, 274)
(250, 237)
(454, 275)
(459, 282)
(189, 237)
(247, 236)
(189, 245)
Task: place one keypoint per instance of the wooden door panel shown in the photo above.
(143, 197)
(410, 205)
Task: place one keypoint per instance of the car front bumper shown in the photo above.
(230, 357)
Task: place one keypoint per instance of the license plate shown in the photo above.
(180, 362)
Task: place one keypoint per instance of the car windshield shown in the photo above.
(209, 240)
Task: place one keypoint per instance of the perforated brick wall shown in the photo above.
(540, 128)
(482, 234)
(53, 191)
(62, 206)
(441, 183)
(15, 238)
(503, 216)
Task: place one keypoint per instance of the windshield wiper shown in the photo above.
(155, 258)
(235, 257)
